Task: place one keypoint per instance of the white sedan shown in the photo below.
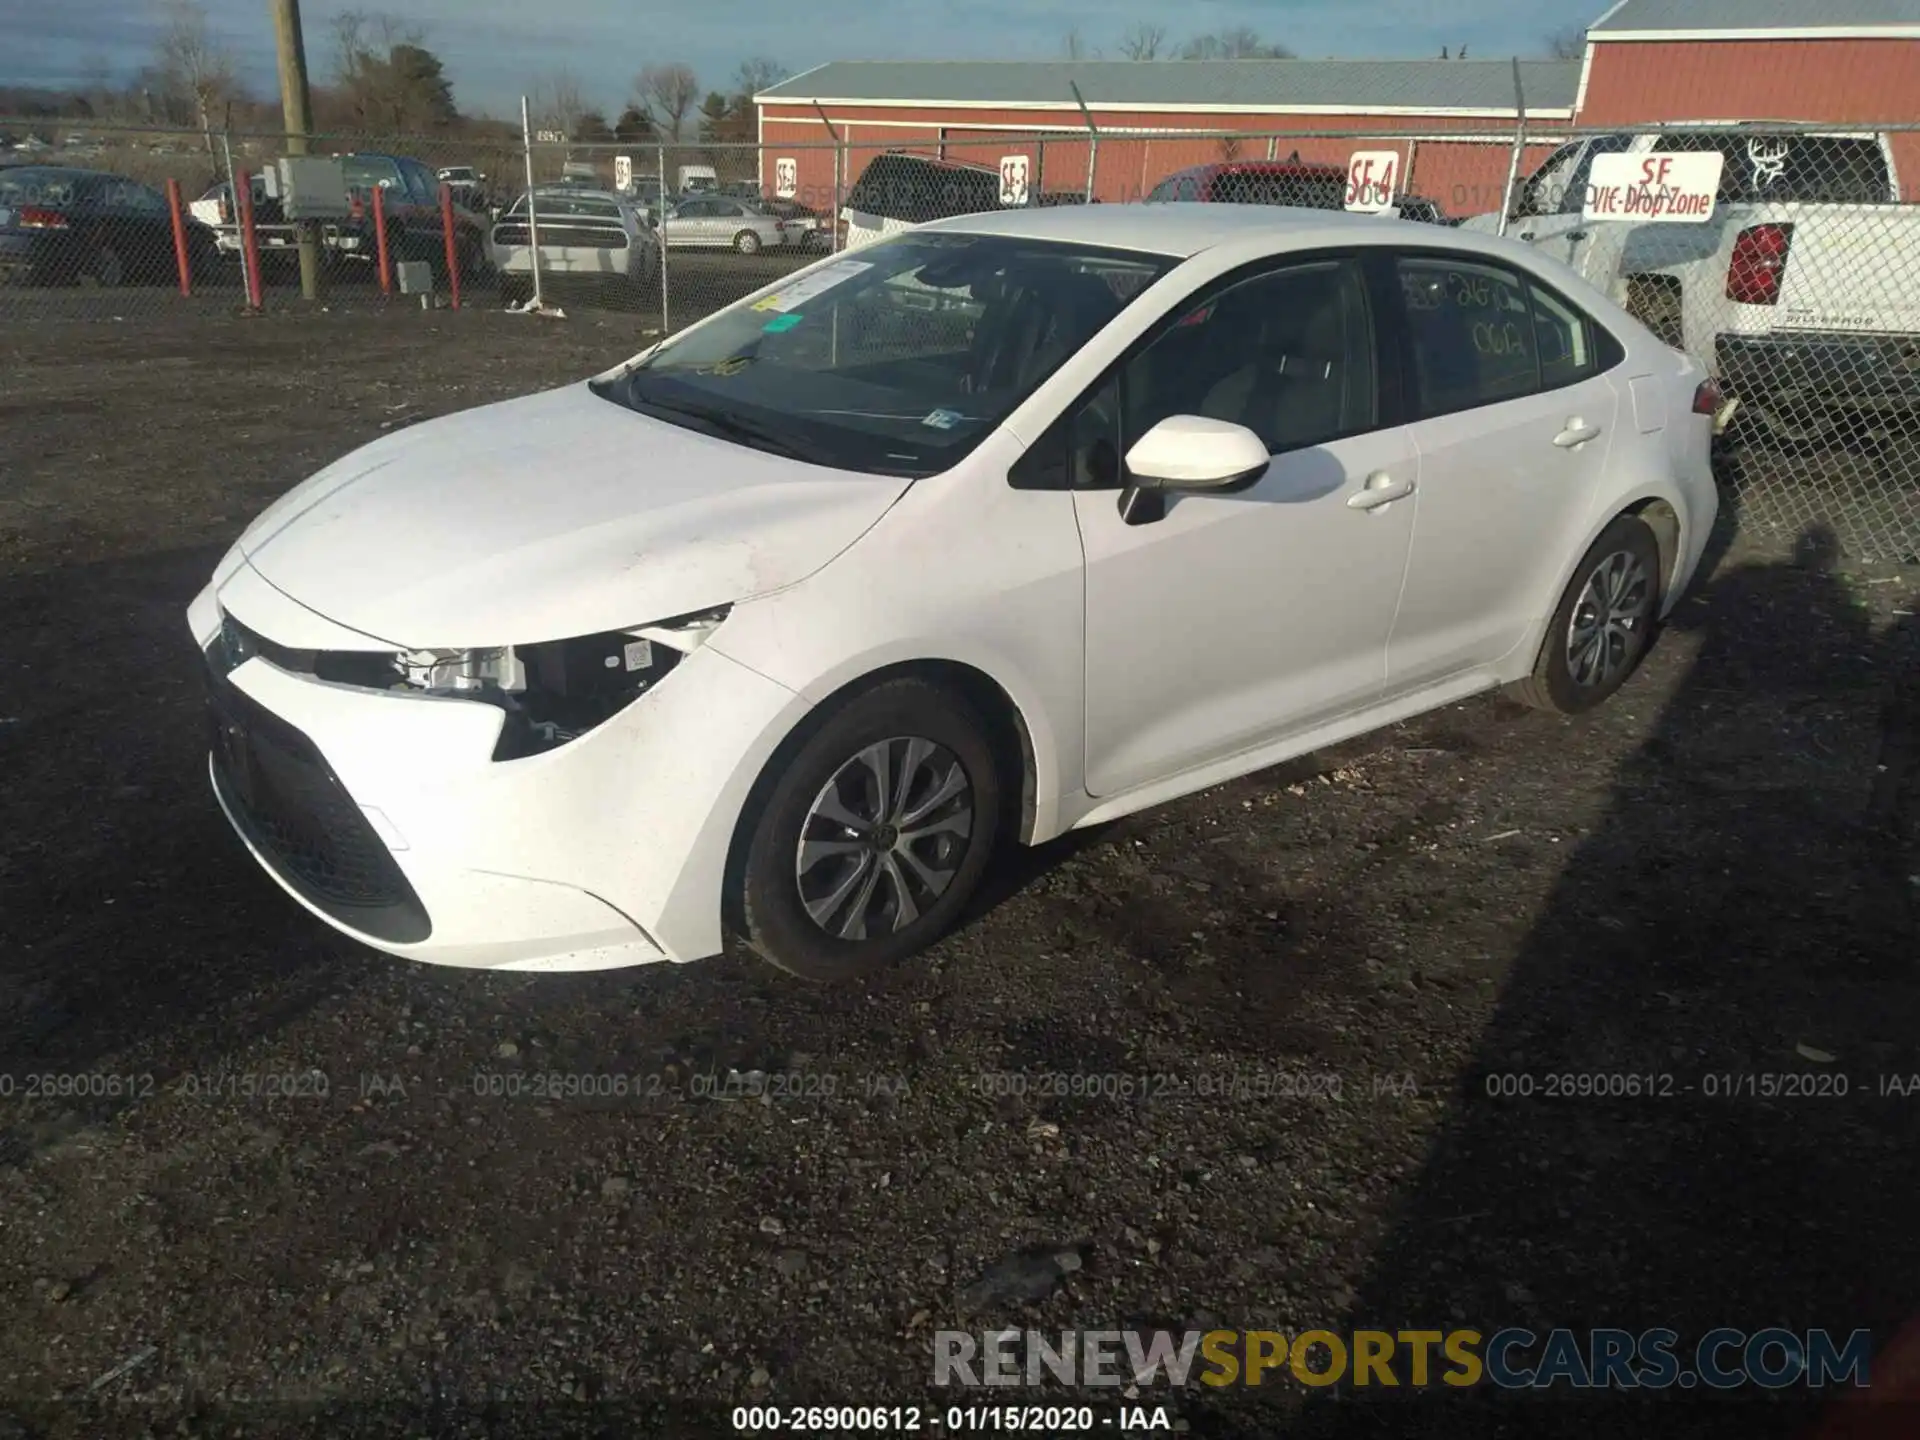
(726, 222)
(1012, 524)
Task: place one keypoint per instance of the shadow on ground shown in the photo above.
(1715, 930)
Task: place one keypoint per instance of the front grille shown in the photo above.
(288, 802)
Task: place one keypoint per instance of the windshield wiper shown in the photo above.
(730, 426)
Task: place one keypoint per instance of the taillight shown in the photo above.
(35, 217)
(226, 211)
(1759, 261)
(1708, 399)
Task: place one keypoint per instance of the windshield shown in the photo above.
(897, 363)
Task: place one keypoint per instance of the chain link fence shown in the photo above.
(1801, 289)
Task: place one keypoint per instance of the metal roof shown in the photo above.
(1756, 16)
(1328, 86)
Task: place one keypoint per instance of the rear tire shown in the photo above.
(106, 269)
(847, 874)
(1603, 624)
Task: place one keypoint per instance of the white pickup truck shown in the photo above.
(1802, 292)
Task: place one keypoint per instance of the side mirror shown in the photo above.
(1191, 452)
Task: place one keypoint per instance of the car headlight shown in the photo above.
(552, 692)
(558, 690)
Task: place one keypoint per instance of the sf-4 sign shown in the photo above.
(1373, 179)
(1013, 179)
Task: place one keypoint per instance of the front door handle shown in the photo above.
(1578, 432)
(1381, 489)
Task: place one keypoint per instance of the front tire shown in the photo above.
(1603, 624)
(874, 834)
(746, 242)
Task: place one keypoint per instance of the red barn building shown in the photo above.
(1850, 63)
(1451, 121)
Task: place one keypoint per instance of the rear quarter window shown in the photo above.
(1830, 169)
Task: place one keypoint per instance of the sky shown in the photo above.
(496, 49)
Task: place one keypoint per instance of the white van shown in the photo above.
(698, 177)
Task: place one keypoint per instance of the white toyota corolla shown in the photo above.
(1012, 524)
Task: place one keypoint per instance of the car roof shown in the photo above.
(1182, 230)
(64, 172)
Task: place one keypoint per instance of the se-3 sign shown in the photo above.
(1014, 170)
(1373, 178)
(1659, 186)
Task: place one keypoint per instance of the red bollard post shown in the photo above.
(249, 239)
(453, 248)
(380, 238)
(182, 257)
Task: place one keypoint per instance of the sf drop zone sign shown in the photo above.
(1664, 187)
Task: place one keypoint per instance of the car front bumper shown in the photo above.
(385, 814)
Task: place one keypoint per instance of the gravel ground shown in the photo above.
(1718, 875)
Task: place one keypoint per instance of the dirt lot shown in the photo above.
(1714, 877)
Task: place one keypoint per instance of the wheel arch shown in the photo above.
(1659, 508)
(1009, 733)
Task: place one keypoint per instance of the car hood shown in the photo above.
(555, 515)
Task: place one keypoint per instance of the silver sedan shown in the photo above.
(721, 222)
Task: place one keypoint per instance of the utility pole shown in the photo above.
(296, 104)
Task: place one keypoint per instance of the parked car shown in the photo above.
(59, 225)
(792, 622)
(1786, 292)
(584, 235)
(1257, 182)
(411, 202)
(897, 191)
(715, 221)
(806, 228)
(272, 231)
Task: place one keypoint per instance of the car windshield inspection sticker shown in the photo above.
(782, 322)
(823, 279)
(943, 419)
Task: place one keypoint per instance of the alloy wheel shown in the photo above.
(884, 838)
(1608, 619)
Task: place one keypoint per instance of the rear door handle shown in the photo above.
(1381, 489)
(1578, 432)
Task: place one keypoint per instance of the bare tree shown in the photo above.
(668, 94)
(1238, 42)
(558, 103)
(1143, 42)
(192, 64)
(756, 74)
(1568, 44)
